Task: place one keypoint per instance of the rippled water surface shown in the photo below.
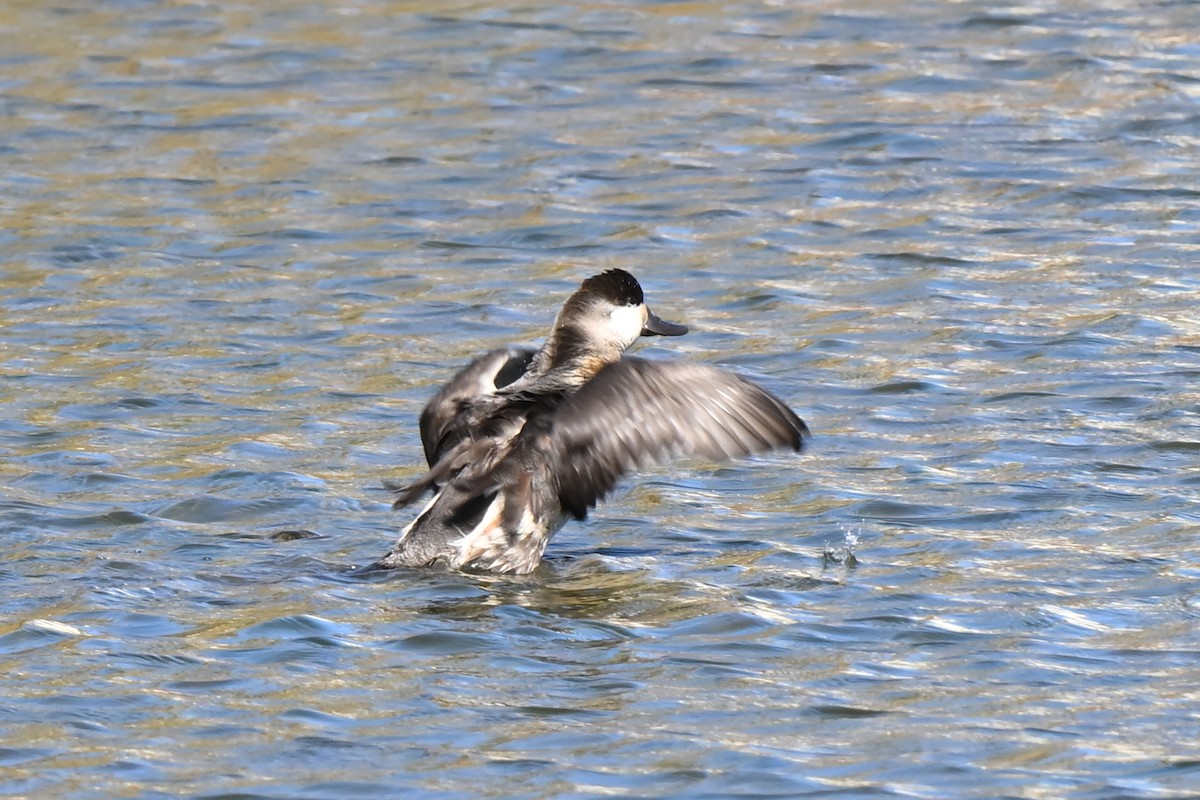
(242, 243)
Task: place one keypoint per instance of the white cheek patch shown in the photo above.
(628, 321)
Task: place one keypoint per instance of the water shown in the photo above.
(242, 243)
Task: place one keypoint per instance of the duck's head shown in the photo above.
(604, 317)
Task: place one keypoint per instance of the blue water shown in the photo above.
(242, 245)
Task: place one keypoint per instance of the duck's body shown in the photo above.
(521, 440)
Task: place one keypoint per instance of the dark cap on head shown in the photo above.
(616, 286)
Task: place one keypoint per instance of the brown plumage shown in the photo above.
(520, 441)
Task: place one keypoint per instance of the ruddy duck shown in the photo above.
(520, 440)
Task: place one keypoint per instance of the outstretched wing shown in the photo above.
(636, 413)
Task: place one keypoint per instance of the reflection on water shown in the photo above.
(241, 245)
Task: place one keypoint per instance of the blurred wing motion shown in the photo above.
(637, 413)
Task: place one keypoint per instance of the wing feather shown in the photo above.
(443, 423)
(637, 413)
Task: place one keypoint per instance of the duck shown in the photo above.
(522, 439)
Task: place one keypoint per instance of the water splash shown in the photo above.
(843, 552)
